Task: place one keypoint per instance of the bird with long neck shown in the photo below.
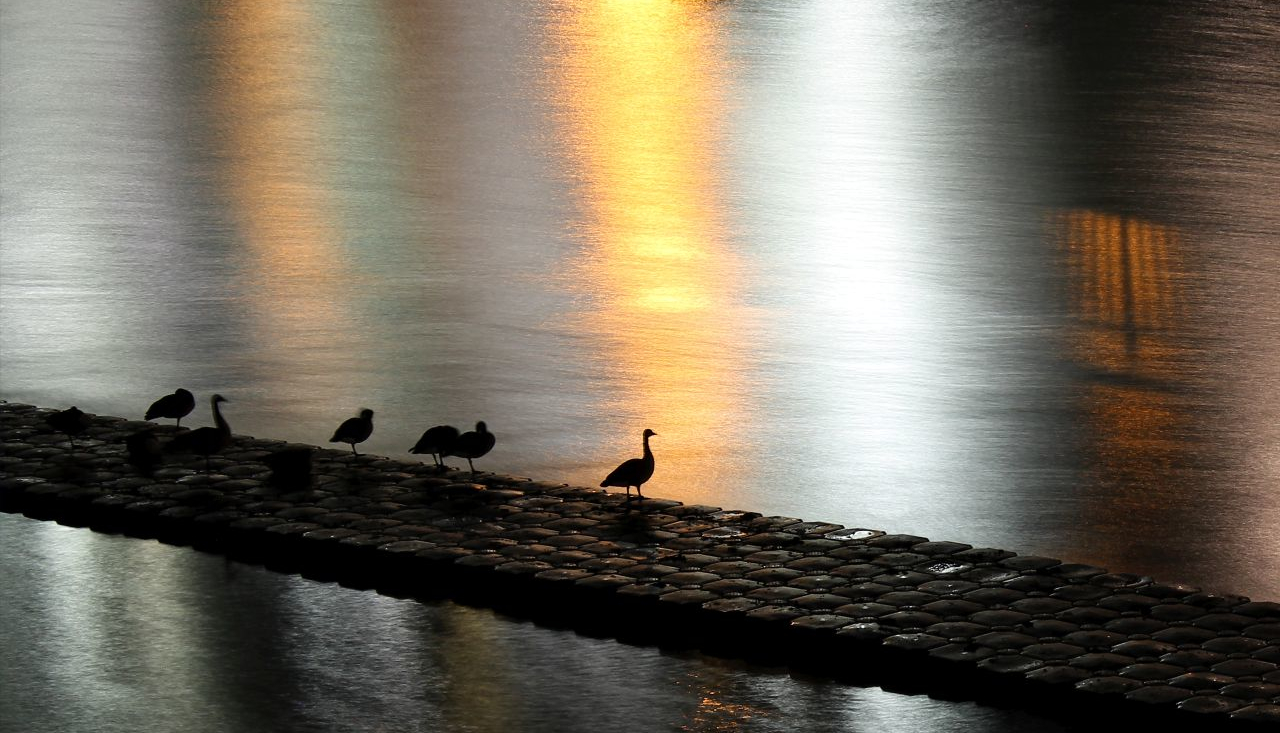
(472, 444)
(633, 471)
(206, 441)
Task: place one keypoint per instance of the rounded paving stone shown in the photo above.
(1234, 645)
(1266, 632)
(819, 601)
(1262, 713)
(909, 620)
(1193, 658)
(1243, 667)
(952, 607)
(1150, 671)
(1058, 675)
(1108, 685)
(1052, 651)
(1005, 640)
(1252, 690)
(916, 642)
(868, 609)
(906, 598)
(1095, 639)
(1158, 694)
(1010, 664)
(961, 653)
(1210, 705)
(1039, 606)
(1184, 635)
(999, 618)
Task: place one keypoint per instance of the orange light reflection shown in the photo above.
(268, 113)
(640, 85)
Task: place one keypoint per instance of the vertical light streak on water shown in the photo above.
(837, 160)
(270, 118)
(161, 654)
(90, 200)
(641, 87)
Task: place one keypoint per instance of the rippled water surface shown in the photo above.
(999, 273)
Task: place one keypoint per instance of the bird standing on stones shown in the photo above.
(177, 405)
(205, 441)
(634, 471)
(472, 444)
(70, 421)
(354, 430)
(437, 442)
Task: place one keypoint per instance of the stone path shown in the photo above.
(948, 619)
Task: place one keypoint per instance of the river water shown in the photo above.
(1002, 273)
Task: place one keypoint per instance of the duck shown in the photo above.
(71, 422)
(354, 430)
(205, 441)
(436, 441)
(633, 471)
(177, 405)
(472, 444)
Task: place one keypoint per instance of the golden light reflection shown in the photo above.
(268, 112)
(1125, 289)
(641, 89)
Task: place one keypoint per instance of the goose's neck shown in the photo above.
(647, 453)
(218, 420)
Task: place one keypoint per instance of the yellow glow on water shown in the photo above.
(268, 111)
(640, 86)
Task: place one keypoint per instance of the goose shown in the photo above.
(71, 421)
(205, 441)
(436, 441)
(177, 405)
(633, 471)
(354, 430)
(472, 444)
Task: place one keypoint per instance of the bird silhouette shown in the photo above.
(472, 444)
(70, 421)
(144, 450)
(633, 471)
(177, 405)
(354, 430)
(437, 442)
(205, 441)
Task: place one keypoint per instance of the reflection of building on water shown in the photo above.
(1125, 292)
(1128, 330)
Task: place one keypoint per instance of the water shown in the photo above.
(999, 273)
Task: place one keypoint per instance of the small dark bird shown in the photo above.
(70, 421)
(354, 430)
(472, 444)
(290, 467)
(205, 441)
(634, 471)
(437, 442)
(177, 405)
(144, 451)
